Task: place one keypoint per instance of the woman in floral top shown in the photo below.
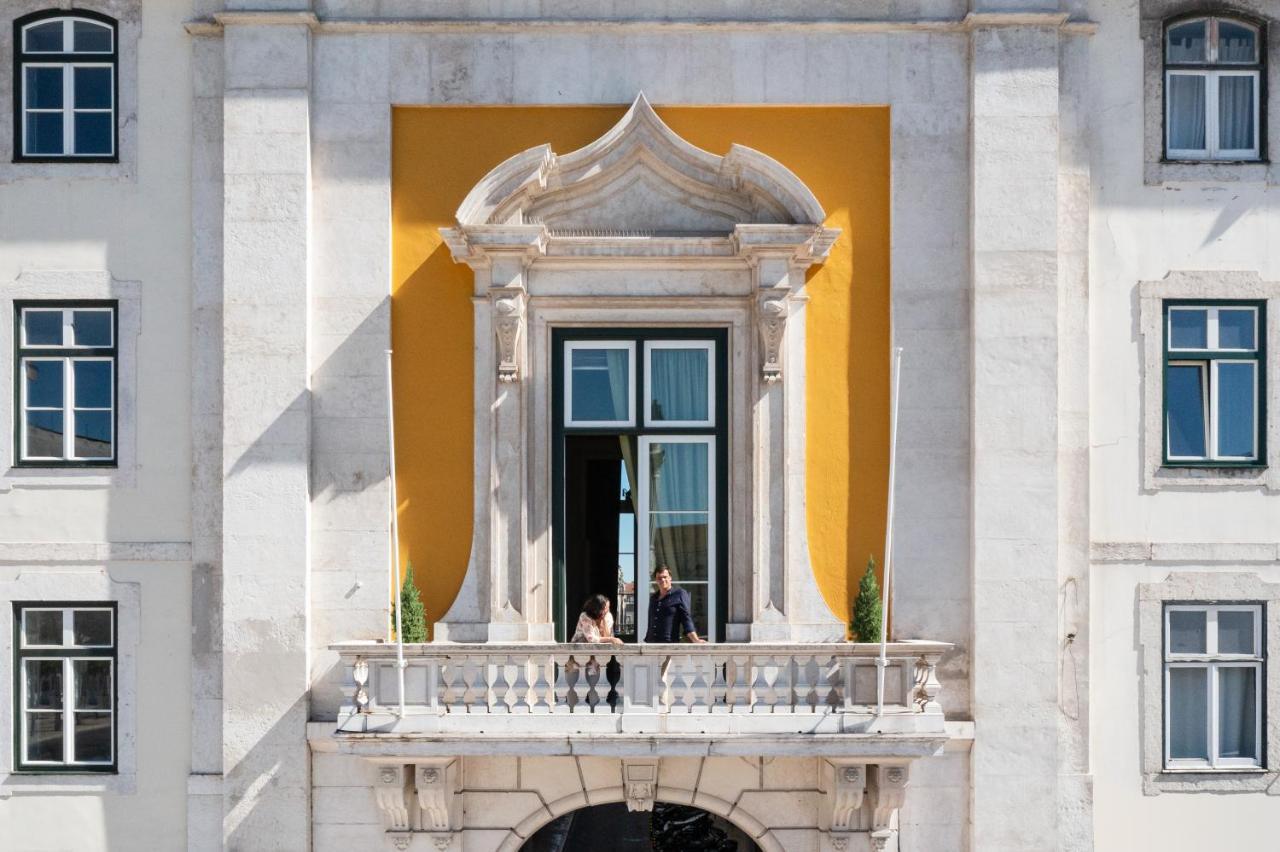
(595, 624)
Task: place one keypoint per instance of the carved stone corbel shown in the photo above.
(508, 325)
(888, 792)
(389, 792)
(435, 797)
(640, 778)
(846, 795)
(771, 317)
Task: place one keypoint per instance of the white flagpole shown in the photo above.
(883, 660)
(395, 535)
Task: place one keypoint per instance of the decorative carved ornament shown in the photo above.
(389, 793)
(772, 320)
(846, 796)
(640, 777)
(888, 792)
(435, 797)
(508, 325)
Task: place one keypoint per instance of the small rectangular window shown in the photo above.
(1213, 673)
(65, 702)
(600, 380)
(66, 88)
(1214, 383)
(1213, 82)
(66, 363)
(680, 383)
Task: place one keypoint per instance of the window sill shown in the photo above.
(66, 476)
(67, 783)
(1196, 476)
(1210, 171)
(1215, 770)
(1233, 780)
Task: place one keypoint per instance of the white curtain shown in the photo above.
(616, 359)
(1186, 112)
(678, 378)
(1235, 113)
(1237, 704)
(1188, 713)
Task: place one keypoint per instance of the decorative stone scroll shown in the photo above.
(846, 795)
(389, 793)
(772, 320)
(888, 792)
(640, 777)
(435, 797)
(508, 325)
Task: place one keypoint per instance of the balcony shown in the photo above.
(549, 698)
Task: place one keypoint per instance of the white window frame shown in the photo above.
(570, 346)
(1213, 69)
(1212, 662)
(707, 346)
(83, 59)
(644, 570)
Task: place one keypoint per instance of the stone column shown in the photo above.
(266, 432)
(1015, 82)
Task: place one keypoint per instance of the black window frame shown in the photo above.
(21, 58)
(20, 764)
(20, 352)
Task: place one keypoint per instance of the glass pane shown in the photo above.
(1187, 631)
(91, 328)
(698, 607)
(1235, 632)
(44, 383)
(44, 88)
(44, 434)
(679, 541)
(1187, 42)
(1235, 408)
(1186, 112)
(1188, 713)
(44, 133)
(92, 627)
(93, 133)
(44, 38)
(43, 626)
(93, 384)
(93, 738)
(1235, 329)
(92, 38)
(678, 477)
(1188, 328)
(1184, 398)
(1235, 113)
(93, 88)
(93, 434)
(678, 384)
(600, 386)
(44, 684)
(44, 737)
(93, 684)
(1236, 42)
(42, 328)
(1237, 711)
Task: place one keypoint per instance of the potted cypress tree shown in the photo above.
(413, 616)
(867, 610)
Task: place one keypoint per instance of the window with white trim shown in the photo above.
(65, 674)
(1213, 89)
(1214, 375)
(1213, 676)
(66, 383)
(66, 87)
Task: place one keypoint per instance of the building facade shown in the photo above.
(641, 268)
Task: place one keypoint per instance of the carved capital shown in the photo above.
(436, 791)
(399, 840)
(888, 792)
(508, 325)
(389, 792)
(771, 317)
(846, 795)
(641, 780)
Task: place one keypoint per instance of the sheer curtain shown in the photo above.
(1186, 112)
(617, 362)
(1235, 113)
(678, 509)
(678, 379)
(1237, 704)
(1188, 713)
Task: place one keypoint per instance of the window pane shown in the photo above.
(93, 738)
(44, 88)
(93, 384)
(1235, 408)
(1235, 632)
(92, 38)
(679, 541)
(1186, 112)
(1187, 631)
(93, 88)
(1236, 42)
(44, 684)
(43, 626)
(1187, 42)
(44, 737)
(44, 133)
(1235, 113)
(44, 434)
(93, 434)
(678, 384)
(600, 386)
(93, 133)
(1188, 328)
(678, 477)
(93, 684)
(1184, 398)
(92, 627)
(44, 38)
(1235, 329)
(1237, 711)
(1188, 713)
(91, 328)
(42, 328)
(44, 383)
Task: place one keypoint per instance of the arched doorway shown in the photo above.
(613, 828)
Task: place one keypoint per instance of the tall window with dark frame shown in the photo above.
(65, 687)
(1213, 88)
(65, 385)
(65, 75)
(1214, 383)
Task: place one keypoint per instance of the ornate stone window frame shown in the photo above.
(1226, 286)
(639, 229)
(1208, 588)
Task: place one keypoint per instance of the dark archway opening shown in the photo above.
(613, 828)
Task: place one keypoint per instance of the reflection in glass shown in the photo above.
(44, 434)
(93, 684)
(1235, 409)
(92, 38)
(1237, 711)
(1235, 329)
(92, 627)
(1188, 713)
(93, 737)
(93, 133)
(93, 384)
(43, 38)
(1184, 397)
(600, 385)
(93, 87)
(44, 383)
(1187, 631)
(42, 328)
(44, 133)
(44, 684)
(44, 737)
(1188, 329)
(1187, 42)
(44, 88)
(678, 380)
(92, 328)
(1235, 632)
(1236, 43)
(43, 626)
(678, 476)
(93, 434)
(679, 541)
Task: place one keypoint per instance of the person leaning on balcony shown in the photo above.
(670, 614)
(595, 624)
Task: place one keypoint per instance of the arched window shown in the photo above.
(1213, 81)
(66, 86)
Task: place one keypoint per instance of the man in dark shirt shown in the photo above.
(669, 611)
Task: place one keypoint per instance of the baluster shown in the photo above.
(740, 684)
(468, 679)
(574, 677)
(481, 695)
(687, 696)
(455, 687)
(829, 676)
(613, 674)
(561, 691)
(592, 672)
(499, 687)
(520, 702)
(718, 696)
(700, 684)
(760, 686)
(928, 685)
(538, 699)
(800, 692)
